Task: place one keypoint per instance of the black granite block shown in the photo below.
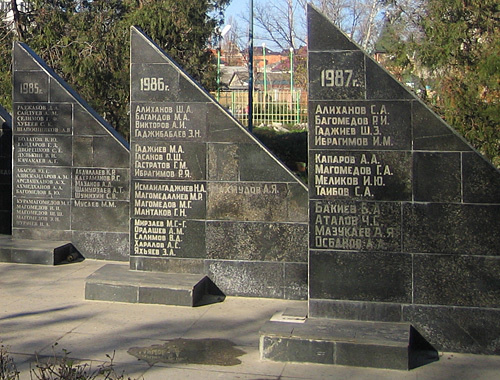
(167, 238)
(189, 90)
(35, 233)
(247, 201)
(100, 184)
(41, 214)
(223, 162)
(102, 145)
(437, 177)
(381, 85)
(42, 182)
(83, 151)
(360, 125)
(256, 165)
(247, 278)
(171, 265)
(354, 225)
(451, 228)
(30, 62)
(100, 215)
(6, 196)
(457, 280)
(431, 133)
(381, 176)
(43, 150)
(5, 222)
(111, 293)
(355, 310)
(383, 277)
(353, 343)
(297, 203)
(168, 160)
(337, 75)
(31, 86)
(179, 121)
(481, 180)
(457, 329)
(149, 52)
(296, 281)
(41, 119)
(322, 35)
(58, 191)
(230, 240)
(5, 254)
(86, 123)
(371, 355)
(163, 296)
(112, 246)
(222, 127)
(168, 200)
(294, 350)
(158, 82)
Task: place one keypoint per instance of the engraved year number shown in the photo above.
(30, 88)
(153, 84)
(337, 78)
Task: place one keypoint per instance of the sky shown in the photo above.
(241, 7)
(237, 7)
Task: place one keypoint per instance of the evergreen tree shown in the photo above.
(454, 47)
(87, 43)
(461, 46)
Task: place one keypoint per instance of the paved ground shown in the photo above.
(43, 305)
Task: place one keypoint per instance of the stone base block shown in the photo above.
(116, 283)
(46, 252)
(341, 342)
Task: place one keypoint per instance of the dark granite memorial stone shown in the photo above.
(355, 225)
(403, 212)
(206, 196)
(5, 172)
(71, 168)
(348, 125)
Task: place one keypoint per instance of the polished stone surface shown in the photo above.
(207, 192)
(403, 212)
(71, 168)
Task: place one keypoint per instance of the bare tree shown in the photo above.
(279, 21)
(361, 20)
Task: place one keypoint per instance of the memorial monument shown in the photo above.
(70, 167)
(5, 172)
(206, 197)
(404, 214)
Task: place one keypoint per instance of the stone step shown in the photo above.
(342, 342)
(117, 283)
(46, 252)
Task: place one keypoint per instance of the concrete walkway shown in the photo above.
(44, 305)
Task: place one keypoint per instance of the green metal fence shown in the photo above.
(269, 107)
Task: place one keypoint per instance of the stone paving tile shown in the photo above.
(42, 305)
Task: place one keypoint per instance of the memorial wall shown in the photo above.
(71, 174)
(403, 212)
(5, 172)
(206, 196)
